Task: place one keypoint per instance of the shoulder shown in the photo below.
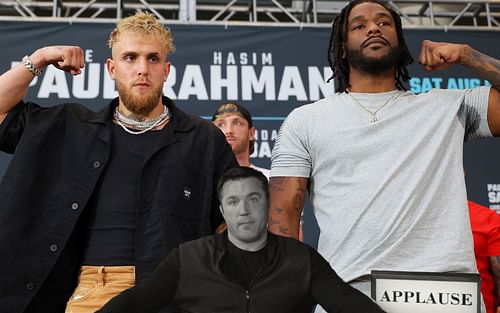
(289, 243)
(201, 248)
(73, 110)
(189, 123)
(62, 107)
(450, 94)
(205, 138)
(482, 214)
(82, 112)
(201, 243)
(318, 106)
(308, 115)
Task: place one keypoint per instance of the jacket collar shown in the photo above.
(222, 240)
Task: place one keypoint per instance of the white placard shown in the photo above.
(416, 292)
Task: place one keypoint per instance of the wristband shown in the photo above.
(30, 66)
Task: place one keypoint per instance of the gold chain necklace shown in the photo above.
(374, 113)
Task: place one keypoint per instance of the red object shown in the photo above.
(485, 225)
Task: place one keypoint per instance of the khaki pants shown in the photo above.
(97, 285)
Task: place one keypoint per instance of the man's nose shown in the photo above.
(245, 208)
(228, 128)
(142, 67)
(373, 28)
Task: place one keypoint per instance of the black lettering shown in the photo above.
(466, 299)
(441, 296)
(385, 297)
(418, 298)
(397, 294)
(430, 299)
(409, 295)
(455, 299)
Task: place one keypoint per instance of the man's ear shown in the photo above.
(221, 210)
(167, 71)
(111, 68)
(251, 133)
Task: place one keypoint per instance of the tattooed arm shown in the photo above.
(442, 55)
(495, 269)
(287, 200)
(488, 68)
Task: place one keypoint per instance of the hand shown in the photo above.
(498, 309)
(441, 55)
(66, 58)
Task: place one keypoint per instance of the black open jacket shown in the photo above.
(59, 155)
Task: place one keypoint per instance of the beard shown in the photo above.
(373, 65)
(240, 146)
(141, 104)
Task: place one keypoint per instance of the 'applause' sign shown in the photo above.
(417, 292)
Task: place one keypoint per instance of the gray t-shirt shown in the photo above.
(388, 195)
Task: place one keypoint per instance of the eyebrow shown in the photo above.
(149, 55)
(362, 17)
(229, 118)
(254, 194)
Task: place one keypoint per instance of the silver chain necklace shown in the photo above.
(374, 113)
(142, 126)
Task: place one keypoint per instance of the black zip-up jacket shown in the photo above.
(292, 278)
(59, 155)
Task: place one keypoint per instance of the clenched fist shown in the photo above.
(441, 55)
(67, 58)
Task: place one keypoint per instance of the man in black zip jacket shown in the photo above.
(245, 269)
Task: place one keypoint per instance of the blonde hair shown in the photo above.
(145, 24)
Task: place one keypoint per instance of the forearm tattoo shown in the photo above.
(488, 68)
(280, 188)
(276, 184)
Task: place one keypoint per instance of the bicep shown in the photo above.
(494, 112)
(287, 196)
(12, 125)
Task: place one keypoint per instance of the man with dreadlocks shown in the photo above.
(383, 166)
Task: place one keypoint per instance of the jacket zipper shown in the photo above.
(247, 300)
(247, 291)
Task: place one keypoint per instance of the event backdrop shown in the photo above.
(270, 70)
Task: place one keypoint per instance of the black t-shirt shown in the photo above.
(241, 265)
(109, 238)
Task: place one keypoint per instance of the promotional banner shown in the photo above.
(269, 70)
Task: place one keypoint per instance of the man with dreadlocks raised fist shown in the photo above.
(383, 166)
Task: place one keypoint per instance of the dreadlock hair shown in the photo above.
(338, 41)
